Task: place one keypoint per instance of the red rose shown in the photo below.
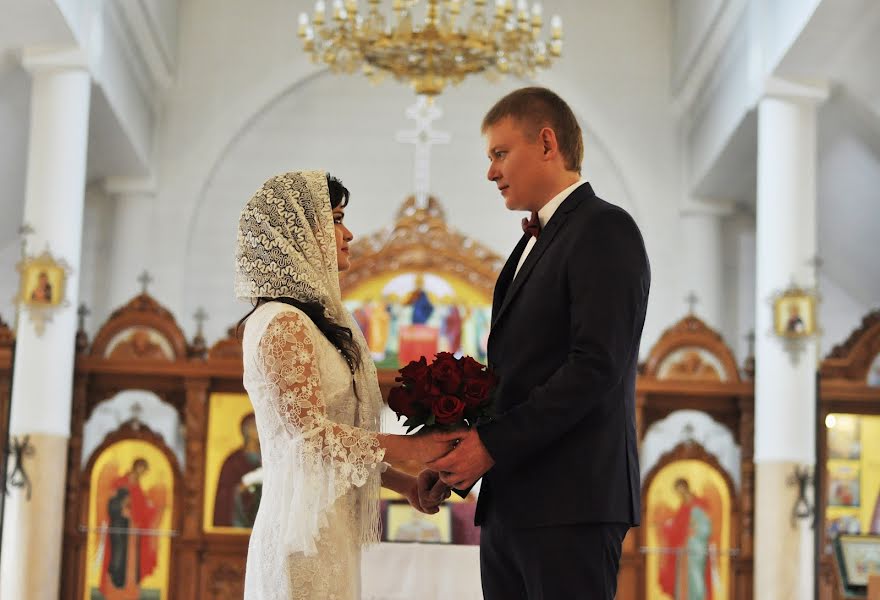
(470, 368)
(448, 410)
(403, 401)
(477, 390)
(416, 375)
(445, 373)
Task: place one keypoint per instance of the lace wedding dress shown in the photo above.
(317, 418)
(308, 532)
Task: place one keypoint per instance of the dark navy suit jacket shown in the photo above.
(565, 342)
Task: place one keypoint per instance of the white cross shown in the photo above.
(423, 112)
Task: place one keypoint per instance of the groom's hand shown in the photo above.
(462, 467)
(432, 491)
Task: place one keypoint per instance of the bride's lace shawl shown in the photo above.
(287, 248)
(286, 243)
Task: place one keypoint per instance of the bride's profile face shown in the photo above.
(343, 237)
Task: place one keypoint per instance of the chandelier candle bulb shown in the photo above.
(537, 20)
(556, 27)
(338, 10)
(318, 17)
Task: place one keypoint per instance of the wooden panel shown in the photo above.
(874, 587)
(222, 576)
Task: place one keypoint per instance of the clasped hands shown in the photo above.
(458, 466)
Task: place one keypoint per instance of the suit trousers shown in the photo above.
(562, 562)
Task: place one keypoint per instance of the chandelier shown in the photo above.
(442, 48)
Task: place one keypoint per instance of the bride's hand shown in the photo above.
(421, 448)
(430, 446)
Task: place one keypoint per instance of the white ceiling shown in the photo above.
(32, 23)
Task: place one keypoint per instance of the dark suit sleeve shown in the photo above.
(608, 280)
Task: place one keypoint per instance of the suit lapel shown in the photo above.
(506, 275)
(544, 241)
(548, 234)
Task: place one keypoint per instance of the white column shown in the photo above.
(43, 373)
(133, 242)
(785, 393)
(701, 230)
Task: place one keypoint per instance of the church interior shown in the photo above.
(742, 136)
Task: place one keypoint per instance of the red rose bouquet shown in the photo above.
(448, 393)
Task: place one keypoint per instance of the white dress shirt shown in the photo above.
(544, 216)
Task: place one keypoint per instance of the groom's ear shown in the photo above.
(548, 141)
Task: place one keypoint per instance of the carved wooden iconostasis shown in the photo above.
(848, 440)
(172, 494)
(134, 503)
(179, 494)
(695, 421)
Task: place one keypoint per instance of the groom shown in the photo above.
(559, 464)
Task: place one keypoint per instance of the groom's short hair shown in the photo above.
(536, 108)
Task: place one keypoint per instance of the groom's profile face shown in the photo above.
(516, 164)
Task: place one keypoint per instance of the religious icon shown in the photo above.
(691, 364)
(843, 484)
(858, 557)
(406, 315)
(794, 313)
(844, 436)
(688, 514)
(239, 485)
(139, 343)
(130, 506)
(42, 289)
(42, 292)
(233, 465)
(403, 523)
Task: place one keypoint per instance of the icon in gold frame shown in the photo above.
(42, 287)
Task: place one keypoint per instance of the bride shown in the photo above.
(315, 394)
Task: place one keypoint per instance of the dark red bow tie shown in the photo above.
(532, 226)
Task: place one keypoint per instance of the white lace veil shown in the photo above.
(287, 248)
(286, 243)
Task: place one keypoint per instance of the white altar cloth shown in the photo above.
(415, 571)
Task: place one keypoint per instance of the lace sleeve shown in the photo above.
(326, 459)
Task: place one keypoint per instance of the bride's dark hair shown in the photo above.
(338, 335)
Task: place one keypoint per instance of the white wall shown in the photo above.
(96, 256)
(316, 126)
(848, 188)
(739, 282)
(692, 24)
(163, 22)
(839, 314)
(246, 104)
